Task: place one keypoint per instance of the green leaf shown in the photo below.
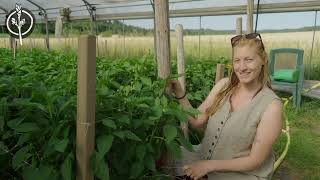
(41, 173)
(137, 86)
(136, 169)
(120, 134)
(66, 132)
(115, 84)
(186, 143)
(61, 145)
(20, 157)
(192, 111)
(146, 81)
(124, 119)
(143, 106)
(164, 101)
(39, 106)
(100, 167)
(23, 138)
(66, 167)
(132, 136)
(170, 132)
(104, 144)
(26, 127)
(157, 101)
(174, 148)
(68, 103)
(141, 151)
(181, 115)
(1, 122)
(157, 111)
(3, 148)
(14, 123)
(149, 162)
(109, 123)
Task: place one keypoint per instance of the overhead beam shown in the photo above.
(211, 11)
(215, 11)
(4, 9)
(37, 5)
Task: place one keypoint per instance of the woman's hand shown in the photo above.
(197, 169)
(176, 88)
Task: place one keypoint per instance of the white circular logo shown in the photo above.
(20, 23)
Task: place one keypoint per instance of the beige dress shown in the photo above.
(230, 135)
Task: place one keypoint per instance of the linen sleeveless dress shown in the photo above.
(230, 135)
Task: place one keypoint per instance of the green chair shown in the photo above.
(286, 59)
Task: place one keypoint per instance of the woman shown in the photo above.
(242, 118)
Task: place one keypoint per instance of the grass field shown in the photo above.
(210, 46)
(303, 159)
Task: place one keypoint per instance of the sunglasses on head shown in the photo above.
(247, 36)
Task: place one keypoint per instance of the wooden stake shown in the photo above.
(163, 37)
(163, 55)
(47, 33)
(219, 72)
(239, 26)
(106, 47)
(14, 48)
(181, 69)
(11, 42)
(86, 100)
(250, 16)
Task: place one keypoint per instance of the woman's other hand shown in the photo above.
(197, 169)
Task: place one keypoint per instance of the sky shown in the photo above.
(290, 20)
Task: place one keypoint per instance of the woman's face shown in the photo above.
(247, 64)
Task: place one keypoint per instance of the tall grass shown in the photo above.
(203, 47)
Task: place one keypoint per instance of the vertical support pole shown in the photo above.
(163, 56)
(97, 44)
(162, 37)
(92, 25)
(250, 16)
(239, 26)
(14, 48)
(181, 68)
(47, 32)
(211, 48)
(106, 47)
(154, 39)
(311, 51)
(199, 38)
(124, 39)
(86, 99)
(154, 30)
(219, 72)
(11, 42)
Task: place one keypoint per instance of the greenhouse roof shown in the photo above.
(141, 9)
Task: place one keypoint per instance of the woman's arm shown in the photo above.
(202, 118)
(268, 130)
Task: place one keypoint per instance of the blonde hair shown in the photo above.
(233, 79)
